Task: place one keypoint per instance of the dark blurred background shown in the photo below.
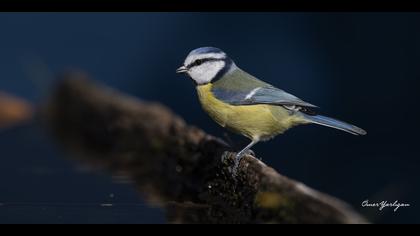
(359, 67)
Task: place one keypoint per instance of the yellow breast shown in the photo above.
(253, 121)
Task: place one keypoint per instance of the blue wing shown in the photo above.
(259, 95)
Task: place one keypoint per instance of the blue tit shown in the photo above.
(246, 105)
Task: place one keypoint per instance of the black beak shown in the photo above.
(181, 69)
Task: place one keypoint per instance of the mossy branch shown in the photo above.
(178, 166)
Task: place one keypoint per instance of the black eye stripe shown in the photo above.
(203, 60)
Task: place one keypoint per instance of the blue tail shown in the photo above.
(336, 124)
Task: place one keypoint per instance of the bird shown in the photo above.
(248, 106)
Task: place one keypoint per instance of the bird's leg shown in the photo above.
(240, 155)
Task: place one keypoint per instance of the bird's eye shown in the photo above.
(198, 62)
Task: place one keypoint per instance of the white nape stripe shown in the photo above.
(252, 93)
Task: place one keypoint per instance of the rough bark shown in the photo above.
(178, 166)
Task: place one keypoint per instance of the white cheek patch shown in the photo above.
(205, 73)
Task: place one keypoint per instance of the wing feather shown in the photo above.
(241, 88)
(259, 95)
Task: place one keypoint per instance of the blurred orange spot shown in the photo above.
(13, 110)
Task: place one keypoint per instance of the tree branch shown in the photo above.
(178, 166)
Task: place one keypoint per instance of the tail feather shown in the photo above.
(336, 124)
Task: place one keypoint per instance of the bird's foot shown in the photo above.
(238, 158)
(250, 152)
(233, 168)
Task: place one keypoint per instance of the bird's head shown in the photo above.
(206, 64)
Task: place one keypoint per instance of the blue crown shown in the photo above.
(204, 50)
